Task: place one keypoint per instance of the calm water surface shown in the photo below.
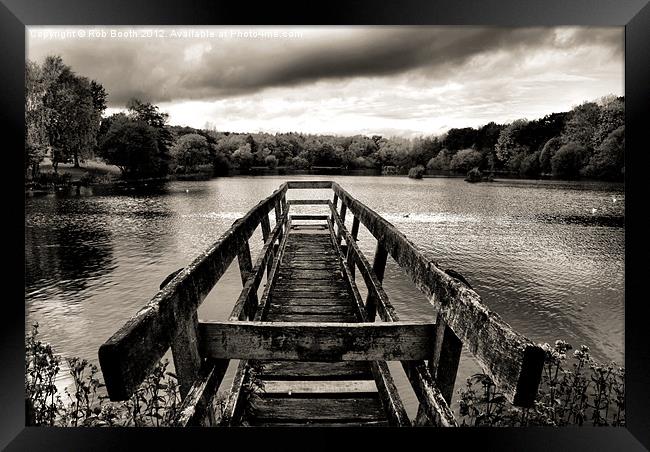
(547, 256)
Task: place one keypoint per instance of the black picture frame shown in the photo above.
(633, 14)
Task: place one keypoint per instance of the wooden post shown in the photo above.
(355, 228)
(344, 210)
(278, 217)
(335, 203)
(446, 356)
(266, 232)
(378, 266)
(245, 268)
(350, 256)
(185, 349)
(185, 352)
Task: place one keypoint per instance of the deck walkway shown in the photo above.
(311, 288)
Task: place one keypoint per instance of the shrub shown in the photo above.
(587, 392)
(416, 172)
(474, 175)
(154, 403)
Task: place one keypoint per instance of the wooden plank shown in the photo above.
(321, 370)
(312, 318)
(307, 202)
(308, 217)
(281, 408)
(317, 424)
(329, 295)
(396, 341)
(295, 387)
(128, 356)
(513, 361)
(309, 310)
(284, 301)
(309, 184)
(195, 410)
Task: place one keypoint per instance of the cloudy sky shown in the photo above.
(404, 81)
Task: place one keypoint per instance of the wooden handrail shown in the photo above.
(512, 361)
(128, 356)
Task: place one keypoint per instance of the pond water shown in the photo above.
(547, 256)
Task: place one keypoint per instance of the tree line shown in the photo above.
(64, 117)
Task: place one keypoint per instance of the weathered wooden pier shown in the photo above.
(313, 344)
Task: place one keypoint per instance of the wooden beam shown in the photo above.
(511, 360)
(309, 184)
(309, 341)
(196, 407)
(307, 202)
(309, 217)
(292, 387)
(128, 356)
(430, 398)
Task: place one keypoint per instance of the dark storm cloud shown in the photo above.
(173, 70)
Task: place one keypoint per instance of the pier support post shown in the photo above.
(245, 268)
(266, 232)
(378, 267)
(344, 210)
(446, 357)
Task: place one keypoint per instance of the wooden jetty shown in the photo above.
(311, 350)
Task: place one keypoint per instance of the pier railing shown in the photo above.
(429, 353)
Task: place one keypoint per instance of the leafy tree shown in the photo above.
(441, 161)
(547, 153)
(509, 142)
(457, 139)
(132, 146)
(465, 159)
(582, 125)
(191, 150)
(608, 162)
(271, 161)
(36, 118)
(243, 157)
(151, 114)
(529, 166)
(568, 160)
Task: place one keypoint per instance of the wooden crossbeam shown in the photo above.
(309, 341)
(307, 202)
